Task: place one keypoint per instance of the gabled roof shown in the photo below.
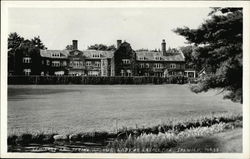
(103, 54)
(49, 53)
(150, 56)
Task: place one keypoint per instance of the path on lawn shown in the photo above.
(228, 141)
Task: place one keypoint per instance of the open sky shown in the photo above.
(141, 27)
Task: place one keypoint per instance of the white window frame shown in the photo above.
(122, 73)
(26, 59)
(88, 63)
(129, 73)
(96, 55)
(172, 65)
(97, 64)
(157, 58)
(27, 71)
(56, 63)
(141, 65)
(126, 61)
(158, 65)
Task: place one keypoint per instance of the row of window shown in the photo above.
(126, 73)
(155, 58)
(96, 55)
(76, 64)
(89, 63)
(26, 60)
(96, 64)
(157, 65)
(55, 54)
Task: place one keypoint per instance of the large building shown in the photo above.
(124, 61)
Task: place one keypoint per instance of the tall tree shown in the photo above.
(36, 41)
(219, 47)
(101, 47)
(14, 41)
(69, 47)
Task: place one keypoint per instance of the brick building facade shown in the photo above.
(124, 61)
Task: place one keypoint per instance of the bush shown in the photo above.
(95, 80)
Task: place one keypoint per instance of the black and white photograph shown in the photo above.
(125, 78)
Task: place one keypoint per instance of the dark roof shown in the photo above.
(151, 56)
(103, 54)
(49, 53)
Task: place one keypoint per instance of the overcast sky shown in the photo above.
(141, 27)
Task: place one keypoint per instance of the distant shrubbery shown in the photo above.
(95, 80)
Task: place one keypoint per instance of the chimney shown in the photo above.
(74, 42)
(119, 42)
(163, 47)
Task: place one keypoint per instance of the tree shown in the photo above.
(14, 41)
(192, 61)
(218, 44)
(36, 41)
(19, 47)
(101, 47)
(69, 47)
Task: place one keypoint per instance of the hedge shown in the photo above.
(95, 80)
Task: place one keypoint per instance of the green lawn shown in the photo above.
(82, 108)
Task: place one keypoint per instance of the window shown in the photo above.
(141, 65)
(55, 54)
(158, 65)
(129, 73)
(26, 60)
(172, 65)
(80, 63)
(59, 73)
(157, 58)
(126, 61)
(122, 73)
(88, 63)
(97, 64)
(93, 73)
(142, 58)
(76, 64)
(56, 63)
(64, 63)
(96, 55)
(27, 72)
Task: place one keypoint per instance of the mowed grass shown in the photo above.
(67, 109)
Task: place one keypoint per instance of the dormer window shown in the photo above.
(96, 55)
(142, 58)
(55, 54)
(26, 60)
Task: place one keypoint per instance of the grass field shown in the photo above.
(82, 108)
